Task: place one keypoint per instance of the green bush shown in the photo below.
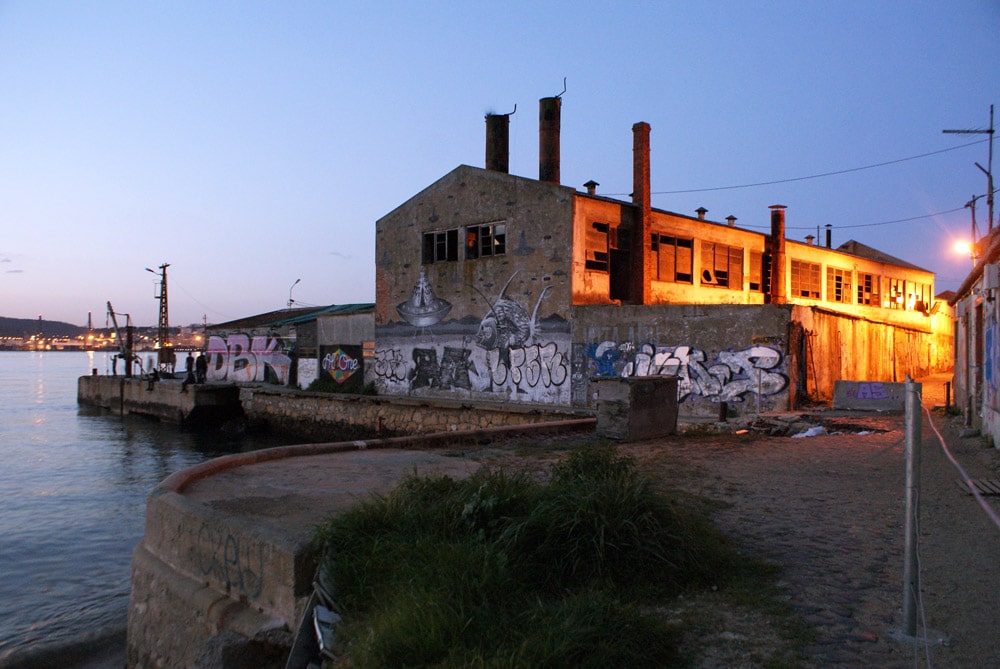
(498, 570)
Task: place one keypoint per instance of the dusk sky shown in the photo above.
(251, 144)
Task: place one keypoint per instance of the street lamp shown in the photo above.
(290, 300)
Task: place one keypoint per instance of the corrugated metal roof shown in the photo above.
(297, 316)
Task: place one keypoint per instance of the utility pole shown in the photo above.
(165, 356)
(988, 170)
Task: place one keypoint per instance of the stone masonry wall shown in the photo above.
(329, 417)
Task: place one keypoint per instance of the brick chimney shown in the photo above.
(642, 227)
(775, 246)
(498, 142)
(548, 139)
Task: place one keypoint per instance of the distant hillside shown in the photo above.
(25, 327)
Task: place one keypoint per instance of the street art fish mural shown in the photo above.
(507, 324)
(424, 308)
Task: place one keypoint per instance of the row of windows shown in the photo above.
(480, 241)
(722, 266)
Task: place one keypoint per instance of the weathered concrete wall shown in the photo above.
(636, 408)
(720, 353)
(335, 417)
(470, 325)
(164, 401)
(847, 347)
(227, 544)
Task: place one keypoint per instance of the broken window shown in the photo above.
(806, 279)
(597, 244)
(441, 246)
(897, 294)
(484, 241)
(838, 285)
(755, 275)
(868, 289)
(721, 265)
(674, 257)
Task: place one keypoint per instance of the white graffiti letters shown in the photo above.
(240, 359)
(530, 366)
(730, 377)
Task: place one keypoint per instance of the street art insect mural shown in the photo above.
(507, 324)
(502, 355)
(730, 377)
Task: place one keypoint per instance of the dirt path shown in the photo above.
(830, 509)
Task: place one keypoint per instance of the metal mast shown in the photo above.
(988, 170)
(165, 356)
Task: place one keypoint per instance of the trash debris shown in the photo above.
(817, 431)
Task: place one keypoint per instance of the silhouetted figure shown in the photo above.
(201, 368)
(188, 372)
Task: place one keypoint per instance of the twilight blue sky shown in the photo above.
(250, 144)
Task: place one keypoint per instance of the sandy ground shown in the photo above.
(830, 510)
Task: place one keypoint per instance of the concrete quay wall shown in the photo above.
(227, 558)
(335, 417)
(165, 400)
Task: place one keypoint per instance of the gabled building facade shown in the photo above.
(499, 287)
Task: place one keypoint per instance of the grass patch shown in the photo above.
(499, 570)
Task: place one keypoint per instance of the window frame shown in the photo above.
(673, 258)
(805, 277)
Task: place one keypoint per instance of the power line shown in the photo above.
(818, 176)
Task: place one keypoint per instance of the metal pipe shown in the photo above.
(912, 455)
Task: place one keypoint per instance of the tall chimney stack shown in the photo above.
(829, 236)
(549, 110)
(498, 142)
(642, 263)
(776, 248)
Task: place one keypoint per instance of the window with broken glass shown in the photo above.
(674, 256)
(721, 265)
(484, 241)
(805, 279)
(440, 246)
(838, 285)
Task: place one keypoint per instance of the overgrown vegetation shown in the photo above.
(499, 570)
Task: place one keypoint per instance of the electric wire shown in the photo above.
(818, 176)
(990, 513)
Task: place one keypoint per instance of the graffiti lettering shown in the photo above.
(730, 377)
(390, 365)
(530, 366)
(340, 365)
(240, 568)
(242, 359)
(868, 391)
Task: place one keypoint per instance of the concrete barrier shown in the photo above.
(869, 395)
(227, 546)
(164, 400)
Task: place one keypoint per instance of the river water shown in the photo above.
(73, 487)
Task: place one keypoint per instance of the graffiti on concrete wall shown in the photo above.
(343, 365)
(241, 358)
(232, 562)
(506, 353)
(729, 377)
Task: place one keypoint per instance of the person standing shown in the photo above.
(201, 368)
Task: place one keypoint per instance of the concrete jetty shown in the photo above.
(227, 544)
(167, 399)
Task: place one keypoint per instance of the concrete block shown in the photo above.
(870, 395)
(635, 408)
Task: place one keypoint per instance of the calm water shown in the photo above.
(73, 485)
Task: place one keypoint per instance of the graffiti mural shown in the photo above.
(240, 358)
(729, 377)
(343, 365)
(990, 364)
(506, 352)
